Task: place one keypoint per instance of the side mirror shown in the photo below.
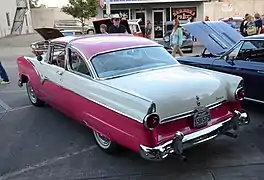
(39, 58)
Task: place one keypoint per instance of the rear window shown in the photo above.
(67, 33)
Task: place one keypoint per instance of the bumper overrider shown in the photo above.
(181, 141)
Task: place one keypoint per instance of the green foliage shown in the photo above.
(81, 9)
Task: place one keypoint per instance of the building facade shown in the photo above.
(157, 11)
(15, 17)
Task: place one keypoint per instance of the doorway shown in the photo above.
(141, 14)
(158, 23)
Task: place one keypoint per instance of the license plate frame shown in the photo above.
(201, 117)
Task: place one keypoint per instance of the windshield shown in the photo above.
(121, 62)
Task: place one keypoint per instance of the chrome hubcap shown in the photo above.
(102, 141)
(31, 93)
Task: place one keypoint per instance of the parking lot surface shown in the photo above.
(43, 144)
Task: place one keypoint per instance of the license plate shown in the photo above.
(201, 117)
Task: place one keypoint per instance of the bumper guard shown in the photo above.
(181, 141)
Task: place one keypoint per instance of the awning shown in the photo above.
(150, 1)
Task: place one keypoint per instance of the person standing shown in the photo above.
(148, 29)
(176, 38)
(250, 26)
(258, 22)
(116, 27)
(242, 25)
(3, 74)
(206, 18)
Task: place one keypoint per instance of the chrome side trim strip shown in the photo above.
(189, 113)
(254, 100)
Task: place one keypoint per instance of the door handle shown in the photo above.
(60, 72)
(262, 72)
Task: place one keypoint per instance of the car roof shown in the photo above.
(91, 45)
(259, 36)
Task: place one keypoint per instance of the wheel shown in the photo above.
(105, 144)
(90, 31)
(33, 97)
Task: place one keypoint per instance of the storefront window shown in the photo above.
(124, 13)
(168, 14)
(183, 13)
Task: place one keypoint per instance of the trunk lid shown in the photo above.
(49, 33)
(174, 89)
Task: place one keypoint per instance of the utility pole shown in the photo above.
(108, 9)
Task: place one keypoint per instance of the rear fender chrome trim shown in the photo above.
(189, 113)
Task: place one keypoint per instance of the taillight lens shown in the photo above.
(240, 94)
(151, 121)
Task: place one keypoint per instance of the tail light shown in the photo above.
(240, 94)
(151, 121)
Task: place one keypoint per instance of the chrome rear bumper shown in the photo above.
(181, 141)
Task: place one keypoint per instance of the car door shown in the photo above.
(250, 63)
(51, 70)
(76, 80)
(246, 60)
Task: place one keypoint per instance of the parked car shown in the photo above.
(71, 32)
(187, 45)
(131, 92)
(74, 24)
(108, 23)
(236, 21)
(230, 53)
(41, 46)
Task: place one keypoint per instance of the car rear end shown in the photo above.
(174, 134)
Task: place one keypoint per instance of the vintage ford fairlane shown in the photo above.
(132, 93)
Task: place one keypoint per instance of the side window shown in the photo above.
(77, 63)
(57, 55)
(252, 51)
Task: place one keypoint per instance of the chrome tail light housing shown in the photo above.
(151, 121)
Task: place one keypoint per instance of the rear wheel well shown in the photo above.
(24, 78)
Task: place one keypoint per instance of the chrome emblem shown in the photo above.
(198, 102)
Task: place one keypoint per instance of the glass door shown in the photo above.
(141, 14)
(158, 23)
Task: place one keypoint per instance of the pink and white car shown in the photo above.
(131, 92)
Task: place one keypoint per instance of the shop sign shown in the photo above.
(183, 13)
(122, 13)
(122, 0)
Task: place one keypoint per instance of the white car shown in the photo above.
(131, 92)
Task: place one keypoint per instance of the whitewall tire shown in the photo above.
(32, 96)
(105, 144)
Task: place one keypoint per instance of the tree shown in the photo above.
(33, 3)
(81, 9)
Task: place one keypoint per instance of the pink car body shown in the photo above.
(145, 118)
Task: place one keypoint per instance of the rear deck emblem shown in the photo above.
(198, 102)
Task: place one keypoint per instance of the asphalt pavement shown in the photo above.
(43, 144)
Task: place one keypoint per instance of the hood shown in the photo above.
(173, 89)
(108, 23)
(49, 33)
(216, 36)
